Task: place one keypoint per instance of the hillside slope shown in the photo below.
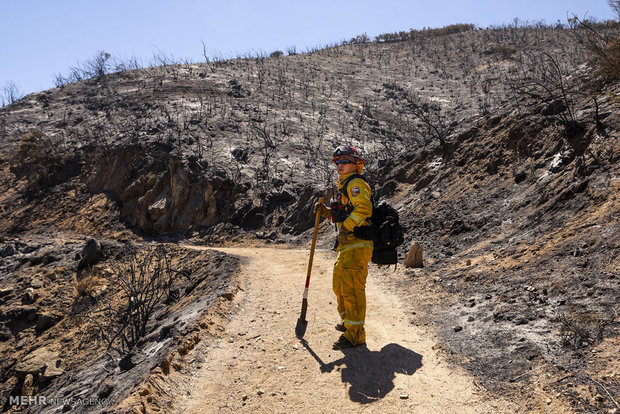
(520, 226)
(141, 136)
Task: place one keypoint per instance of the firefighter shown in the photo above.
(350, 208)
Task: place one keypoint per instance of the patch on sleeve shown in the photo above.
(355, 191)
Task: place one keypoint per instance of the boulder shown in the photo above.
(105, 389)
(159, 207)
(5, 333)
(414, 257)
(42, 361)
(240, 154)
(29, 297)
(6, 292)
(54, 368)
(35, 282)
(22, 313)
(29, 249)
(7, 251)
(49, 258)
(45, 322)
(126, 363)
(520, 176)
(36, 260)
(91, 253)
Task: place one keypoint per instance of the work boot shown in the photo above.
(340, 327)
(342, 343)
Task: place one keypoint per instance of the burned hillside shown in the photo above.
(281, 114)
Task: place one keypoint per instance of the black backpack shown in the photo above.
(385, 230)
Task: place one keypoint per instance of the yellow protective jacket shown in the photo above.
(358, 192)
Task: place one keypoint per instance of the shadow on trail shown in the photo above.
(371, 373)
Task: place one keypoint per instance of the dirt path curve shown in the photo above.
(260, 366)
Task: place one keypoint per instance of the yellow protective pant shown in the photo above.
(350, 272)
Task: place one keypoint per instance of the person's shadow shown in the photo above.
(371, 373)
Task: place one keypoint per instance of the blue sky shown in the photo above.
(43, 37)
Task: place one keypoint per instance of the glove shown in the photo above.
(343, 235)
(324, 210)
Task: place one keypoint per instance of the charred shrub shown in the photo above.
(581, 328)
(40, 160)
(136, 290)
(33, 157)
(605, 61)
(602, 43)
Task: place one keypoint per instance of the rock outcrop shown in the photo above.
(160, 198)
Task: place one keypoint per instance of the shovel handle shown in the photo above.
(301, 322)
(314, 237)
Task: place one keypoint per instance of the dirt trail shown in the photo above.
(260, 366)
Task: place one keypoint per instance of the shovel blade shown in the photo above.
(302, 323)
(300, 329)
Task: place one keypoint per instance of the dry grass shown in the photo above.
(88, 286)
(605, 60)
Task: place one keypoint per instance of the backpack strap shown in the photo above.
(346, 182)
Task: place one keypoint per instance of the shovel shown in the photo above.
(302, 323)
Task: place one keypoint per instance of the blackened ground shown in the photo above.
(41, 308)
